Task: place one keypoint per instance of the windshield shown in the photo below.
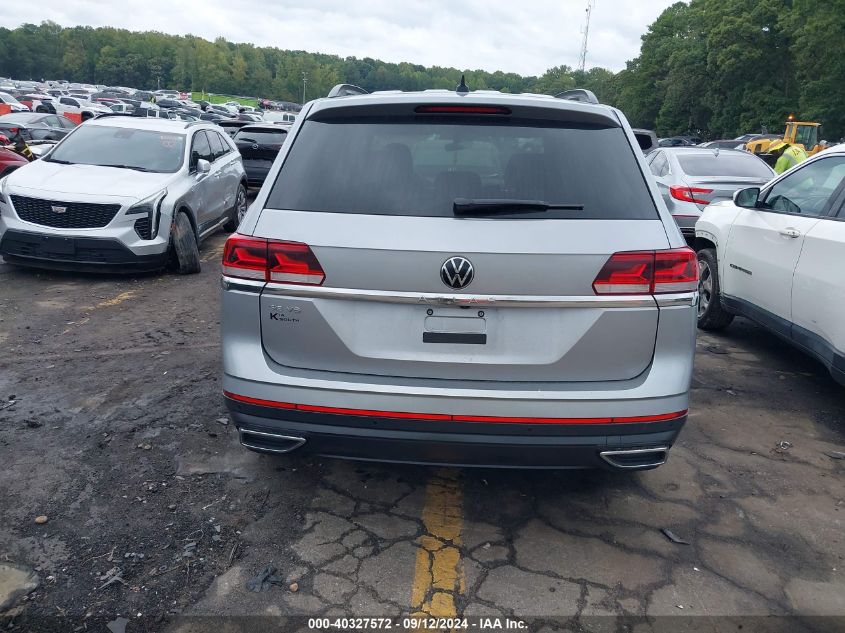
(144, 150)
(281, 117)
(726, 164)
(262, 137)
(5, 97)
(420, 167)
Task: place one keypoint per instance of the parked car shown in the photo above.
(772, 253)
(78, 105)
(123, 108)
(396, 293)
(646, 139)
(724, 144)
(279, 117)
(747, 137)
(151, 191)
(690, 178)
(10, 161)
(39, 103)
(168, 103)
(219, 109)
(32, 126)
(259, 144)
(12, 102)
(231, 126)
(674, 141)
(211, 116)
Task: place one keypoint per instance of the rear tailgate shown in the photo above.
(372, 198)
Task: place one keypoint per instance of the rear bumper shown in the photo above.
(84, 254)
(256, 172)
(630, 446)
(343, 415)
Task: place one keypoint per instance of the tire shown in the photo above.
(237, 214)
(186, 254)
(711, 315)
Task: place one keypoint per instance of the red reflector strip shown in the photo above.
(451, 418)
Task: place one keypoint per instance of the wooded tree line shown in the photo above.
(717, 67)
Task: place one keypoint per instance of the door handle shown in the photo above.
(790, 232)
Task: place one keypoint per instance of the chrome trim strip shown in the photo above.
(243, 285)
(298, 441)
(448, 299)
(683, 299)
(608, 456)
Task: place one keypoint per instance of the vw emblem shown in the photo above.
(457, 272)
(255, 146)
(58, 209)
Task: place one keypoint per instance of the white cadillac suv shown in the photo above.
(123, 193)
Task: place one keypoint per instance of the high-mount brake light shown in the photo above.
(461, 109)
(271, 260)
(648, 272)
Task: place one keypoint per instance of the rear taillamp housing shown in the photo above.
(271, 260)
(648, 272)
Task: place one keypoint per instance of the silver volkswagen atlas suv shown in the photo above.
(468, 278)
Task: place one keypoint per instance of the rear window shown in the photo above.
(418, 167)
(262, 137)
(741, 165)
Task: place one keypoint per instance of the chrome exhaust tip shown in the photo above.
(636, 458)
(264, 442)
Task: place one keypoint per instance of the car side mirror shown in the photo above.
(747, 198)
(203, 167)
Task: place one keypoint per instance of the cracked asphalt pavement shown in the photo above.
(113, 430)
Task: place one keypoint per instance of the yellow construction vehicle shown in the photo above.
(802, 133)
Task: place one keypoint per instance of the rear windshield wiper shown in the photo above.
(466, 206)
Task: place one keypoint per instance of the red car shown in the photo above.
(10, 161)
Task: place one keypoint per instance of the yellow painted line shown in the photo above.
(439, 571)
(117, 300)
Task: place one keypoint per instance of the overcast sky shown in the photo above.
(523, 36)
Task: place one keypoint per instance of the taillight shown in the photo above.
(675, 271)
(648, 272)
(245, 257)
(626, 274)
(293, 263)
(271, 260)
(687, 194)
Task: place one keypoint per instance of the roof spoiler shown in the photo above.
(346, 90)
(578, 94)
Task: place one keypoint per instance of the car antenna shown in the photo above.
(462, 88)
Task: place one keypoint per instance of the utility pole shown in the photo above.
(304, 83)
(583, 61)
